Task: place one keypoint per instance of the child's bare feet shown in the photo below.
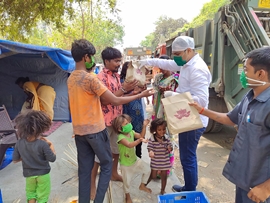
(116, 177)
(144, 188)
(128, 198)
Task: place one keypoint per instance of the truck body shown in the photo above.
(160, 50)
(137, 53)
(237, 28)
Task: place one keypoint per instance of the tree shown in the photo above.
(18, 17)
(164, 26)
(207, 13)
(97, 27)
(148, 41)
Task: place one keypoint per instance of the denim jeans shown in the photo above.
(188, 142)
(241, 196)
(87, 147)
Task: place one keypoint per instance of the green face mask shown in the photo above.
(179, 60)
(127, 128)
(91, 64)
(244, 81)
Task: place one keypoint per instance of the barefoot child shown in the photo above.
(130, 164)
(159, 150)
(35, 152)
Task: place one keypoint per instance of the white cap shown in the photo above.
(181, 43)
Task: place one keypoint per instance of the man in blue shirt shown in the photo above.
(248, 165)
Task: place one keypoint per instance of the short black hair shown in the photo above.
(260, 59)
(164, 57)
(22, 80)
(80, 48)
(110, 53)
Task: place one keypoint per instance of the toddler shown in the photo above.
(159, 149)
(35, 152)
(130, 164)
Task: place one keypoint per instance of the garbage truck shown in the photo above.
(237, 28)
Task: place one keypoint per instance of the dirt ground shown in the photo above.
(213, 151)
(212, 154)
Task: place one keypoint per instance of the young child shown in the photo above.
(35, 152)
(130, 164)
(159, 150)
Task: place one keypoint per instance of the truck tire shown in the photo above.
(213, 127)
(216, 104)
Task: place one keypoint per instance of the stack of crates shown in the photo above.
(183, 197)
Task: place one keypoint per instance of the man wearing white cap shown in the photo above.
(195, 78)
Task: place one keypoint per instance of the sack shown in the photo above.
(136, 73)
(179, 115)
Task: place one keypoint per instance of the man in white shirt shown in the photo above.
(195, 78)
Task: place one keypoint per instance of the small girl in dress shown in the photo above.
(159, 148)
(130, 164)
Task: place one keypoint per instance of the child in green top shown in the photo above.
(130, 164)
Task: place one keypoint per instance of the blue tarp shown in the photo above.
(60, 57)
(47, 65)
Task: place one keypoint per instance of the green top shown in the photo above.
(127, 156)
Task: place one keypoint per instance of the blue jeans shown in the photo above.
(188, 142)
(87, 147)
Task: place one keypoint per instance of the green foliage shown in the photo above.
(148, 41)
(98, 22)
(164, 26)
(167, 28)
(20, 17)
(208, 12)
(97, 28)
(179, 30)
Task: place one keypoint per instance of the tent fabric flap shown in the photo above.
(61, 58)
(50, 66)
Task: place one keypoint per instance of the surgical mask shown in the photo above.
(179, 60)
(127, 128)
(91, 64)
(244, 81)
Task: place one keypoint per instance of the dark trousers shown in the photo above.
(241, 196)
(139, 150)
(188, 142)
(87, 147)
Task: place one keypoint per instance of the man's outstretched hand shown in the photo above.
(196, 106)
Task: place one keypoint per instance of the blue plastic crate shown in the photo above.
(1, 200)
(183, 197)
